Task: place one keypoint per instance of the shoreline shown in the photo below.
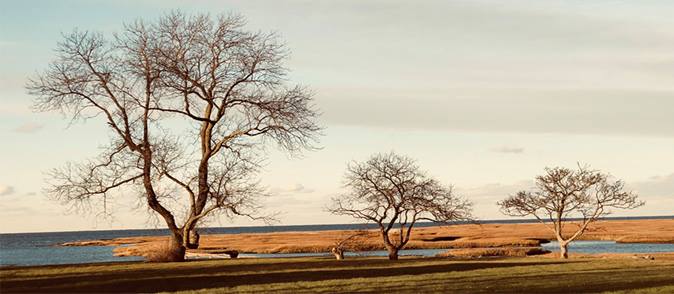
(659, 256)
(439, 237)
(290, 228)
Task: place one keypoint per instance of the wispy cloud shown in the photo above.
(295, 189)
(28, 128)
(484, 197)
(641, 113)
(294, 195)
(6, 190)
(657, 186)
(495, 191)
(508, 149)
(657, 192)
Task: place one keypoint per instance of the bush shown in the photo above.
(164, 252)
(496, 251)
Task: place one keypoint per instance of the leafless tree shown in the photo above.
(348, 241)
(191, 102)
(562, 194)
(392, 192)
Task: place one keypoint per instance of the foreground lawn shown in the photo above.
(535, 275)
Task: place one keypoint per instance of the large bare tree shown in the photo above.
(391, 191)
(191, 103)
(562, 195)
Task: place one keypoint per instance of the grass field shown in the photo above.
(418, 275)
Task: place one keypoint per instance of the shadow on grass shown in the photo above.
(549, 283)
(231, 275)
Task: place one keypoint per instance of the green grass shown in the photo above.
(534, 275)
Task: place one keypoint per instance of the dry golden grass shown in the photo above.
(646, 239)
(457, 236)
(159, 252)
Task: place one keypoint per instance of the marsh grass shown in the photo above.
(494, 251)
(457, 236)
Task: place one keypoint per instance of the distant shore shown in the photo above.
(490, 235)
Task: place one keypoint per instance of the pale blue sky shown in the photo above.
(484, 94)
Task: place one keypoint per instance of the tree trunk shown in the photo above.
(175, 250)
(393, 253)
(392, 249)
(192, 239)
(338, 252)
(563, 250)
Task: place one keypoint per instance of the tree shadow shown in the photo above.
(231, 275)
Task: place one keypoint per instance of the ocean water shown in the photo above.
(611, 247)
(380, 253)
(23, 249)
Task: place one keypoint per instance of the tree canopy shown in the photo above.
(191, 103)
(391, 191)
(564, 194)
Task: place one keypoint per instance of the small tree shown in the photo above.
(347, 241)
(562, 194)
(190, 103)
(392, 192)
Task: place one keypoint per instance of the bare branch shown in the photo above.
(219, 89)
(392, 192)
(564, 193)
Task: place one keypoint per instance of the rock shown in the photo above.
(232, 253)
(647, 257)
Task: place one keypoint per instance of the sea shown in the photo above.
(27, 249)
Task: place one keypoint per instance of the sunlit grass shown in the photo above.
(417, 275)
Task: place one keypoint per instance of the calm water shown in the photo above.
(409, 252)
(41, 249)
(611, 247)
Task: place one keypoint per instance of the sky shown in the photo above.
(484, 94)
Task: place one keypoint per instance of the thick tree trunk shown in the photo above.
(563, 250)
(175, 250)
(393, 253)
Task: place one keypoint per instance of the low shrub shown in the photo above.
(163, 252)
(494, 251)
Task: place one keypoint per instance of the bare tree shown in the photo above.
(392, 192)
(348, 241)
(562, 194)
(191, 103)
